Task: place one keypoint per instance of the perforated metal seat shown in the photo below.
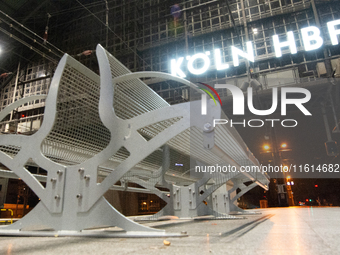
(190, 142)
(228, 147)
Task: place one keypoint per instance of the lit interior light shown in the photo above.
(218, 60)
(255, 31)
(313, 37)
(266, 147)
(284, 145)
(289, 43)
(176, 67)
(201, 70)
(333, 33)
(247, 55)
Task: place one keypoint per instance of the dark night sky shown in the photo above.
(307, 139)
(307, 144)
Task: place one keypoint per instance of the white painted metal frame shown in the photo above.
(191, 205)
(72, 200)
(232, 208)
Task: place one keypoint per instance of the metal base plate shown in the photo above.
(245, 213)
(87, 233)
(222, 217)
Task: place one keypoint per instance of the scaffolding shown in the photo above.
(143, 36)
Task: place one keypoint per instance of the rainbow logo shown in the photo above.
(208, 92)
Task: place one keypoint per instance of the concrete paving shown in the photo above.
(293, 230)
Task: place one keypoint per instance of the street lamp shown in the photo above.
(266, 147)
(289, 183)
(279, 152)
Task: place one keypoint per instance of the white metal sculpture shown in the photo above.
(115, 127)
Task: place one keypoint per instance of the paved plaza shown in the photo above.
(293, 230)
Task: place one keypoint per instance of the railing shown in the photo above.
(11, 220)
(22, 125)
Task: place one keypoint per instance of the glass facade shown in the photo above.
(145, 36)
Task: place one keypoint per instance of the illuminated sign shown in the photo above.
(311, 38)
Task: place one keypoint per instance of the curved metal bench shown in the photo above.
(117, 127)
(224, 145)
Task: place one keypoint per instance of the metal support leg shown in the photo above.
(232, 201)
(157, 178)
(191, 202)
